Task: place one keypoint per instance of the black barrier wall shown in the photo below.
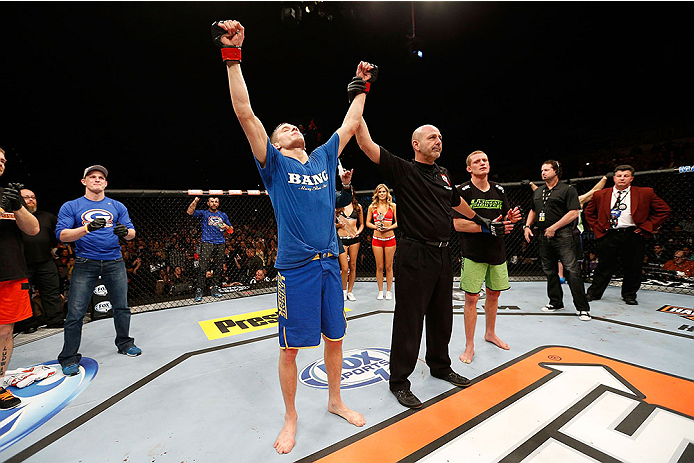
(163, 260)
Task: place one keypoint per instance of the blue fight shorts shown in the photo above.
(310, 303)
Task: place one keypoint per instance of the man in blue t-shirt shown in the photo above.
(213, 223)
(95, 223)
(302, 190)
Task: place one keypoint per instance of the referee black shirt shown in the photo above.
(425, 195)
(555, 203)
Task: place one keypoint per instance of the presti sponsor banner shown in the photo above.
(554, 404)
(243, 323)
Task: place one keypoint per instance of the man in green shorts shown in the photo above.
(484, 255)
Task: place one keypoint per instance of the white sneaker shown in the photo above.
(344, 294)
(551, 308)
(380, 295)
(351, 297)
(584, 316)
(389, 295)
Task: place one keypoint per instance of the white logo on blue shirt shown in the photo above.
(316, 179)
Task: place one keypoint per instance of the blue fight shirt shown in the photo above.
(208, 222)
(303, 197)
(100, 244)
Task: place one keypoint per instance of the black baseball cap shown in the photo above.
(101, 169)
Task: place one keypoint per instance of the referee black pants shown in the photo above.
(423, 290)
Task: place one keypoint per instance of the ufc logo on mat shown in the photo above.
(555, 404)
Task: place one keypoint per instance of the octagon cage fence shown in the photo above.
(163, 260)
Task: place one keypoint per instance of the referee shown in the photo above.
(423, 270)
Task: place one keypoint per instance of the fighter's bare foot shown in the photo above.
(494, 339)
(285, 440)
(355, 418)
(466, 357)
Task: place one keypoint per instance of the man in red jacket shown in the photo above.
(622, 218)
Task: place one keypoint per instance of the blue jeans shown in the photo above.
(561, 248)
(85, 276)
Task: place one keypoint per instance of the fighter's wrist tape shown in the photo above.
(86, 227)
(231, 53)
(368, 87)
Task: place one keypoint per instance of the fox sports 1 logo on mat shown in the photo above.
(360, 367)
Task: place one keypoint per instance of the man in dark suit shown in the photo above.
(622, 218)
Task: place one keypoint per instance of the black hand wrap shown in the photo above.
(120, 230)
(229, 52)
(494, 228)
(12, 198)
(481, 221)
(610, 174)
(355, 87)
(497, 228)
(96, 224)
(372, 79)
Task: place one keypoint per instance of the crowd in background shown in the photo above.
(164, 262)
(167, 264)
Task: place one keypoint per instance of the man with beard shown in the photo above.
(43, 273)
(555, 206)
(214, 224)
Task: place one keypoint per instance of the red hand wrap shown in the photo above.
(368, 87)
(231, 54)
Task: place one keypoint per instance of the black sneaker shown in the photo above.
(455, 379)
(7, 400)
(407, 398)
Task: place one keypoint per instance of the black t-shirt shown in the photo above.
(555, 203)
(484, 247)
(12, 263)
(425, 196)
(38, 248)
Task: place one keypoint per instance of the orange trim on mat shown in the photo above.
(415, 431)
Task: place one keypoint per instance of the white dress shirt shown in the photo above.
(625, 220)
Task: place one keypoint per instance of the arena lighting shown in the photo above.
(413, 43)
(290, 14)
